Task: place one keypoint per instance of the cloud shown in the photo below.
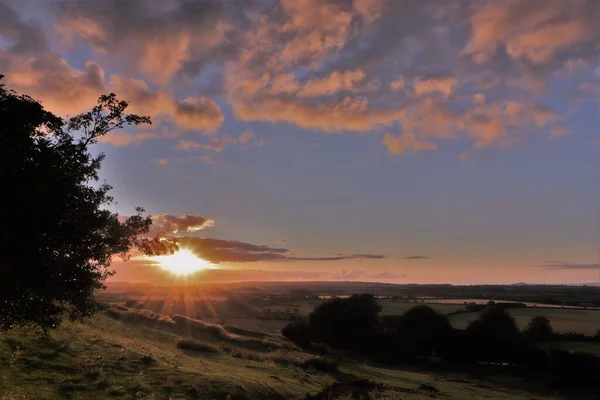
(121, 139)
(423, 72)
(335, 82)
(205, 159)
(160, 161)
(398, 145)
(416, 258)
(559, 131)
(561, 265)
(385, 275)
(441, 85)
(217, 144)
(224, 251)
(246, 136)
(184, 223)
(349, 275)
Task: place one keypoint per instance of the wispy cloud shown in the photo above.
(561, 265)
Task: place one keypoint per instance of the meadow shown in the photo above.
(112, 356)
(562, 320)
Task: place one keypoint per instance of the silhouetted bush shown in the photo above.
(298, 332)
(573, 369)
(350, 323)
(195, 345)
(494, 336)
(423, 331)
(538, 329)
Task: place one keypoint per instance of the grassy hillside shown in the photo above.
(106, 357)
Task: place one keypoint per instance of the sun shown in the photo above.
(183, 262)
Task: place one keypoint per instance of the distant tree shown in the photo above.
(57, 235)
(539, 329)
(298, 332)
(346, 323)
(494, 336)
(423, 331)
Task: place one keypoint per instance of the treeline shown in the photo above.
(422, 335)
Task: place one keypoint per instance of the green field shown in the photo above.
(106, 358)
(562, 320)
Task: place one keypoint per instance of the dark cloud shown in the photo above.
(26, 37)
(220, 250)
(185, 223)
(416, 258)
(560, 265)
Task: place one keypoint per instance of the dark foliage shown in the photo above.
(298, 332)
(57, 235)
(573, 369)
(349, 323)
(494, 336)
(423, 331)
(539, 329)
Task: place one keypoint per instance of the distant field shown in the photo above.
(563, 320)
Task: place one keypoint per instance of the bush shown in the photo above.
(573, 369)
(349, 323)
(195, 345)
(298, 332)
(423, 330)
(494, 336)
(539, 329)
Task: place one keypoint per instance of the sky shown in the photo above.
(373, 140)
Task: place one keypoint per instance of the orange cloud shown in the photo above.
(442, 85)
(398, 145)
(533, 30)
(217, 144)
(185, 223)
(246, 136)
(121, 139)
(335, 82)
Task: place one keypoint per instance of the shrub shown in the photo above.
(298, 332)
(349, 323)
(494, 336)
(539, 329)
(195, 345)
(320, 348)
(423, 330)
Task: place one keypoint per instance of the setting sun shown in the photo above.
(183, 262)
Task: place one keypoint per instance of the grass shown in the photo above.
(195, 345)
(562, 320)
(128, 355)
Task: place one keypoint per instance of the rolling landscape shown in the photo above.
(299, 199)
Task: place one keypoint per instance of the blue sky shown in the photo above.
(346, 137)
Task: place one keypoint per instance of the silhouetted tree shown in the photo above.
(57, 235)
(494, 336)
(423, 330)
(539, 329)
(346, 323)
(298, 332)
